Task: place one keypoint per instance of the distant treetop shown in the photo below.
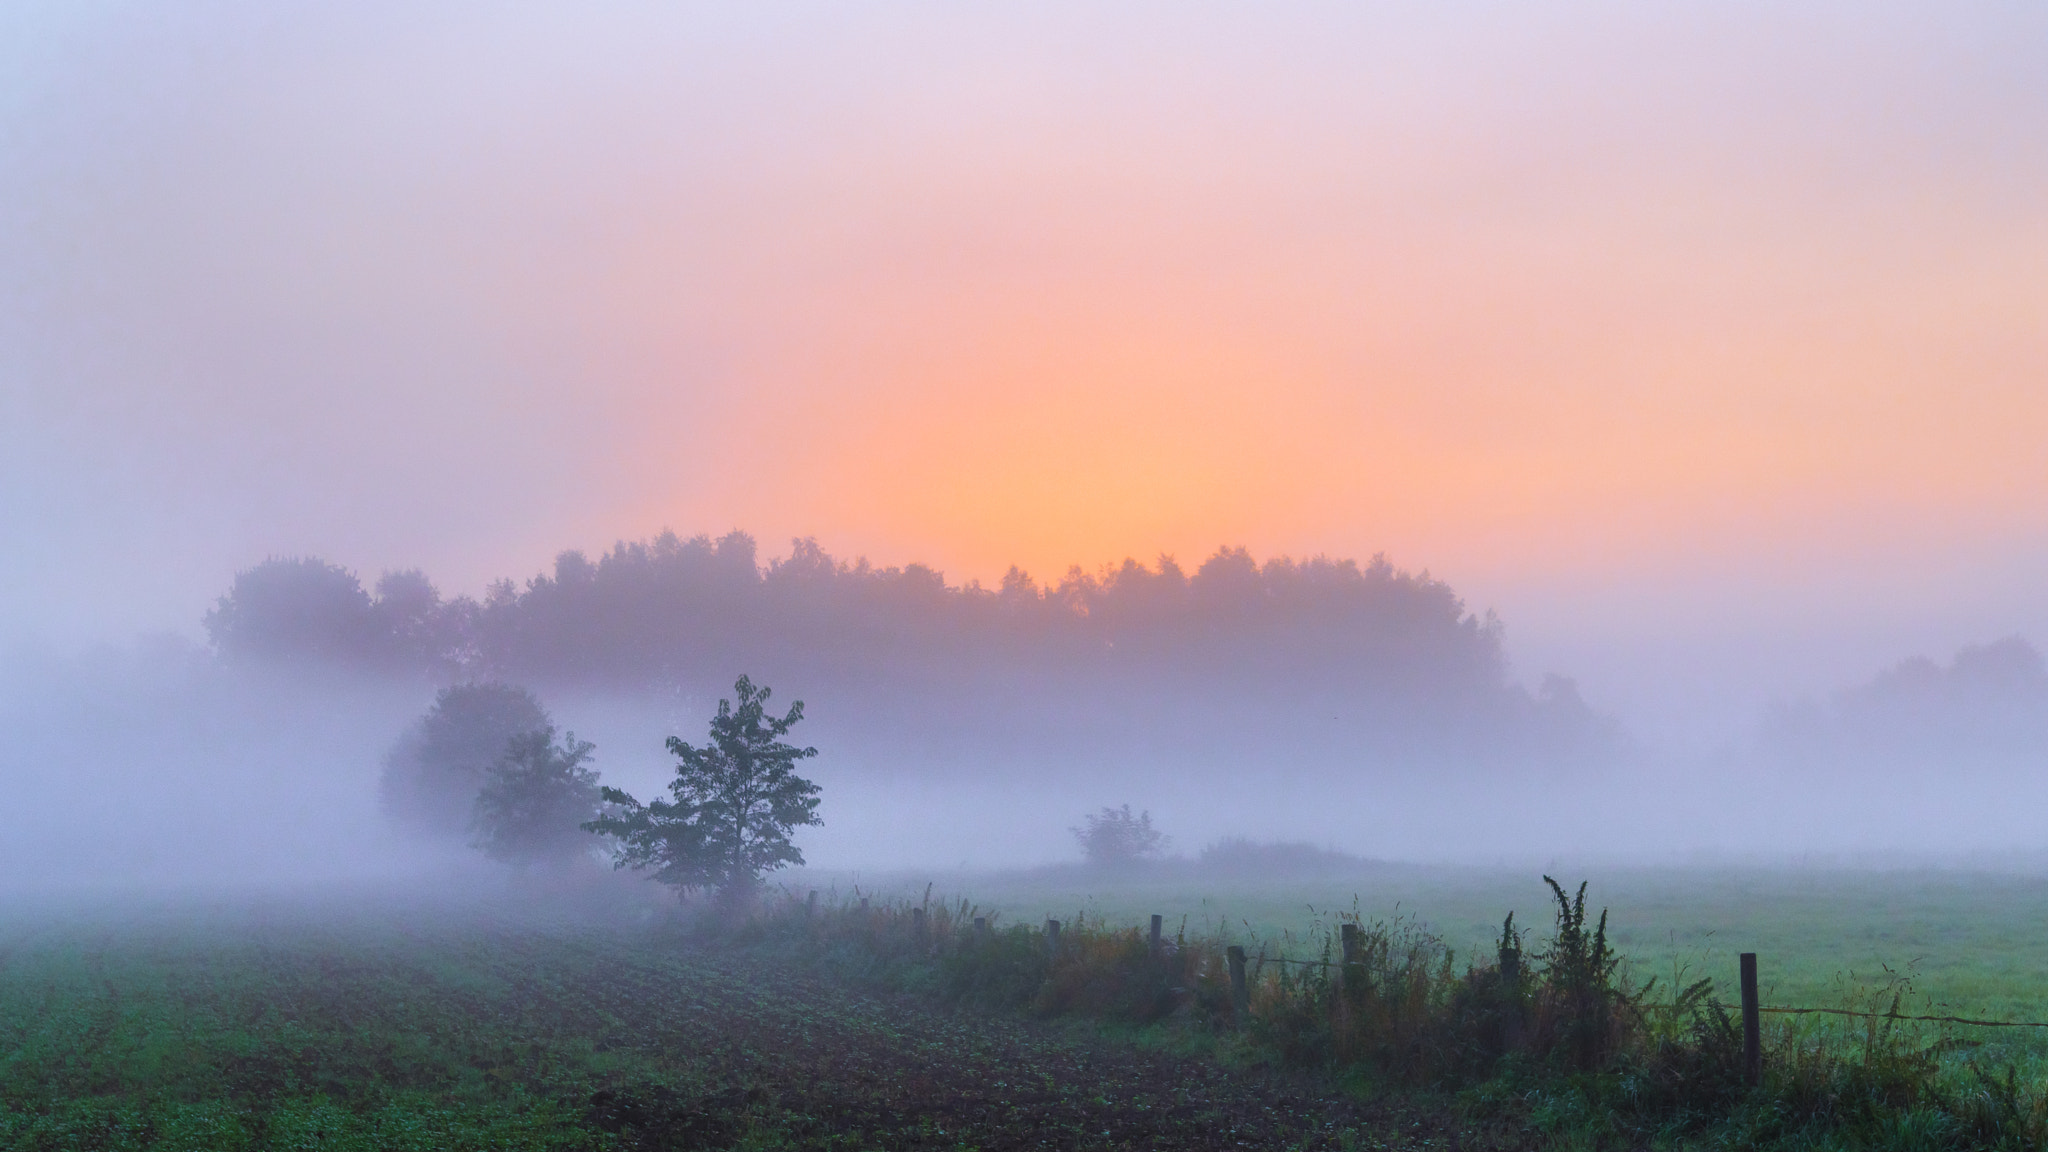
(1364, 654)
(628, 614)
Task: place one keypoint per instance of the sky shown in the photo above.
(1706, 343)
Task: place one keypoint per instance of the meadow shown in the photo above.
(385, 1021)
(1972, 942)
(597, 1017)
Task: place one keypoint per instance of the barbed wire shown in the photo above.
(1903, 1016)
(1261, 958)
(1255, 960)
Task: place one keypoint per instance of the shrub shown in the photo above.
(1116, 839)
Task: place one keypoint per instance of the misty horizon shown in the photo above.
(929, 696)
(1684, 365)
(1307, 573)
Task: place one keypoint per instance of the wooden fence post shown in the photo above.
(1351, 975)
(1052, 939)
(980, 928)
(1240, 993)
(917, 922)
(1156, 921)
(811, 903)
(1752, 1026)
(863, 907)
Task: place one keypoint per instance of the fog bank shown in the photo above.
(964, 731)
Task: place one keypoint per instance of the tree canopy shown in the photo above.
(1361, 662)
(298, 606)
(433, 774)
(735, 802)
(303, 609)
(639, 610)
(1988, 706)
(535, 800)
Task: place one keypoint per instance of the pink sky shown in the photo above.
(1669, 334)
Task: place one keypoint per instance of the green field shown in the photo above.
(505, 1021)
(394, 1023)
(1974, 943)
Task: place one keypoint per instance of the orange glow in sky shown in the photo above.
(1651, 378)
(1593, 297)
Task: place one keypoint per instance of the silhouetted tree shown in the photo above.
(1116, 839)
(312, 613)
(297, 607)
(433, 774)
(535, 800)
(1988, 707)
(409, 620)
(736, 801)
(1358, 664)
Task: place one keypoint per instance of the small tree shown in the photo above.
(736, 801)
(1117, 839)
(535, 800)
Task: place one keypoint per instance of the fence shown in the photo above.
(1510, 965)
(1752, 1007)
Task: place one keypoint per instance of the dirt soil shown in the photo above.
(789, 1059)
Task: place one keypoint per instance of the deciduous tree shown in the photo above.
(432, 776)
(736, 801)
(535, 801)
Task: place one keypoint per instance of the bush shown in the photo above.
(1116, 839)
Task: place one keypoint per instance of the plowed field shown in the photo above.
(248, 1030)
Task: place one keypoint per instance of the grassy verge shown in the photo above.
(1555, 1035)
(1974, 942)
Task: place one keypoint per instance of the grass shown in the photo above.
(1584, 1053)
(406, 1023)
(1973, 943)
(399, 1025)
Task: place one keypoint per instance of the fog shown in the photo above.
(1354, 708)
(151, 765)
(1622, 427)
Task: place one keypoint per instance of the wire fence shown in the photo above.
(1241, 960)
(1904, 1016)
(1975, 1023)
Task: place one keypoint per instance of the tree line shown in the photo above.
(643, 607)
(1393, 659)
(1987, 706)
